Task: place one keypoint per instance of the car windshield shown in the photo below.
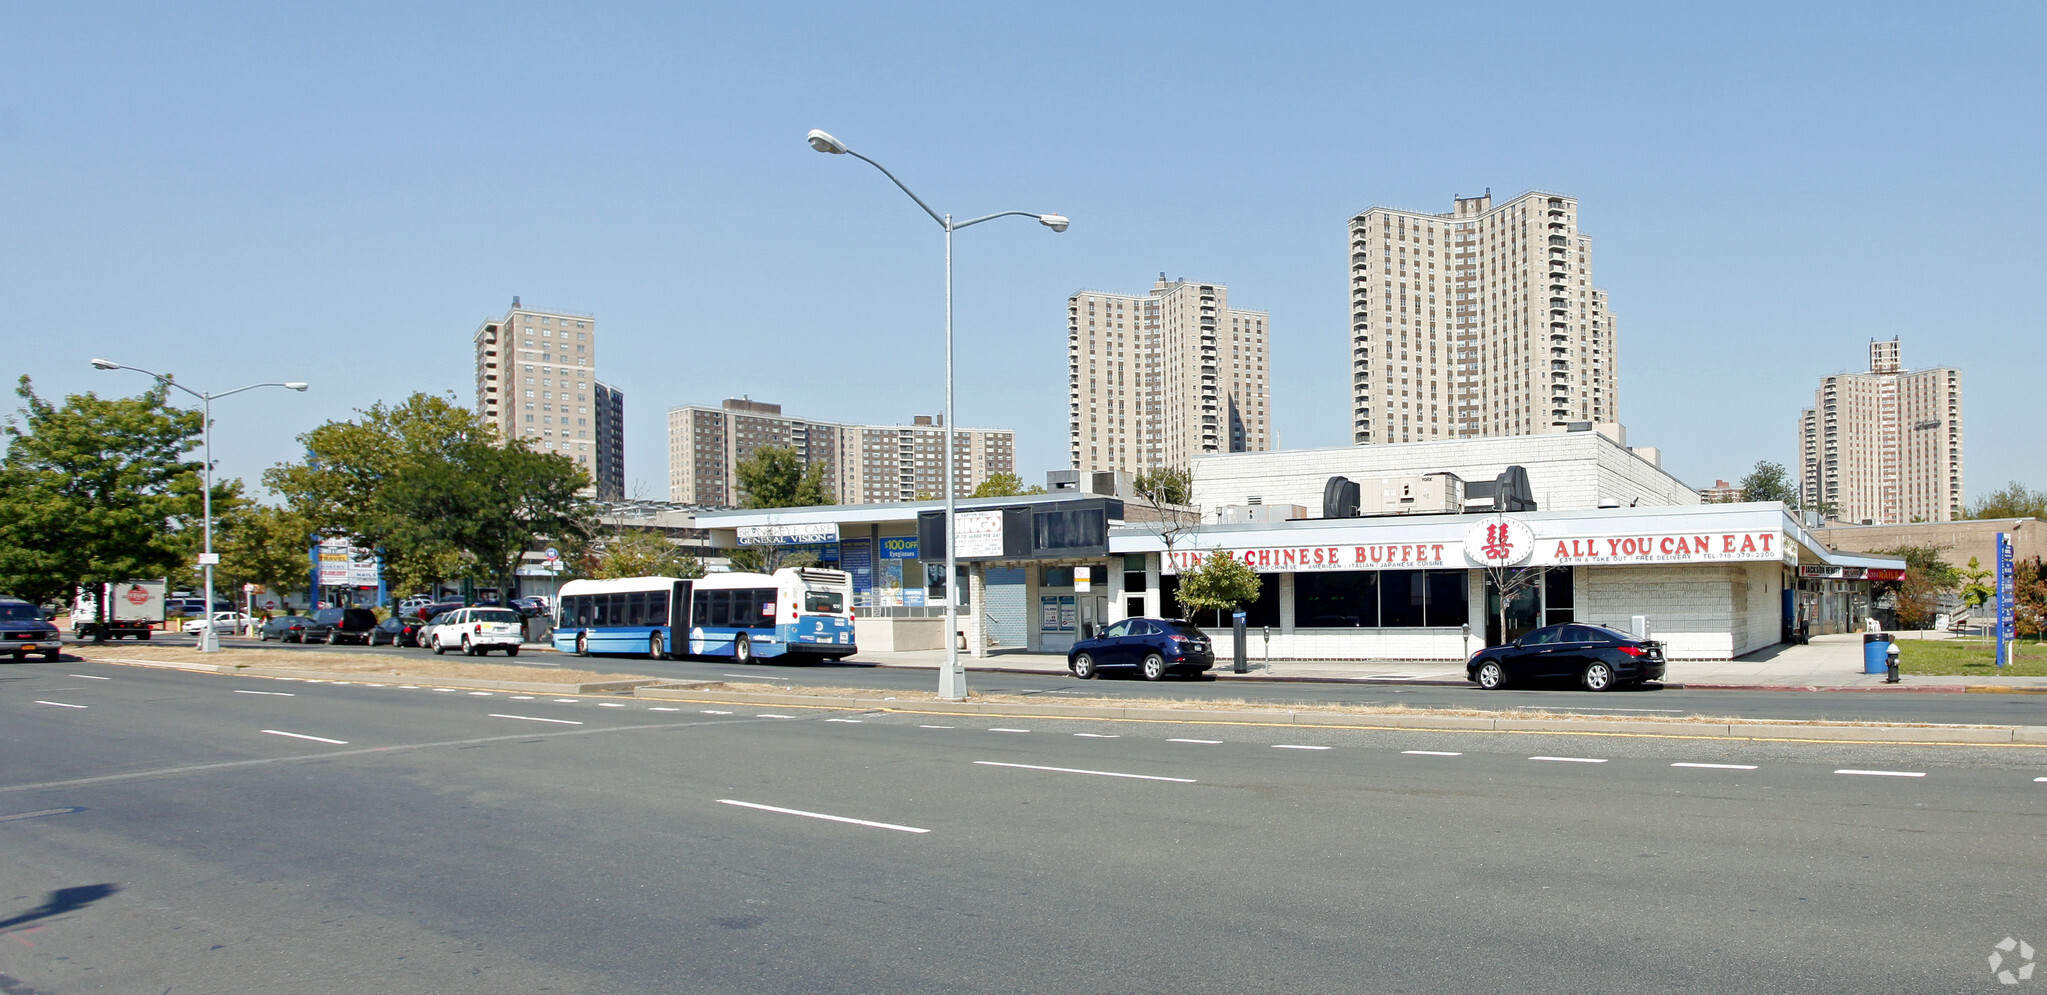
(1179, 628)
(20, 613)
(495, 615)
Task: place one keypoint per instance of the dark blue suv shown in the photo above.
(23, 630)
(1155, 646)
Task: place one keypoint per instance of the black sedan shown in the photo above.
(1597, 657)
(288, 629)
(1154, 646)
(398, 630)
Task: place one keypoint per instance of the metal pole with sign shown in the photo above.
(2007, 607)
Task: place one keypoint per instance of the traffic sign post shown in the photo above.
(2007, 604)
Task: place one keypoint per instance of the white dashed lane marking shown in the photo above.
(481, 694)
(934, 727)
(848, 721)
(1097, 773)
(1001, 729)
(1097, 735)
(1203, 742)
(300, 735)
(522, 697)
(280, 694)
(610, 704)
(1718, 766)
(713, 711)
(62, 704)
(2040, 780)
(1570, 760)
(770, 715)
(821, 815)
(1430, 753)
(1882, 773)
(536, 718)
(1296, 746)
(566, 701)
(662, 708)
(89, 677)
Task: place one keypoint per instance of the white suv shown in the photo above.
(476, 631)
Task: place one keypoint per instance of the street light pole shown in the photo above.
(952, 681)
(209, 640)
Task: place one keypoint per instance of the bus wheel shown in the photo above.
(582, 644)
(654, 648)
(742, 649)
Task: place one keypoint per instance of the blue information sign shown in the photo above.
(856, 557)
(899, 548)
(2007, 603)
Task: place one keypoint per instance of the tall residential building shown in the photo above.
(1480, 322)
(1153, 380)
(608, 469)
(863, 464)
(534, 374)
(1884, 447)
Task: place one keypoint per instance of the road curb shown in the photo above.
(479, 684)
(2027, 736)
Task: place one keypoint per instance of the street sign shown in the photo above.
(248, 588)
(2007, 603)
(209, 559)
(553, 554)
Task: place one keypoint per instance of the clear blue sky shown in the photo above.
(341, 193)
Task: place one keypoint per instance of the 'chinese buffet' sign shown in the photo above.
(1512, 546)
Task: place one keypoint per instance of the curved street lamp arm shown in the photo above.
(163, 378)
(252, 386)
(899, 185)
(991, 217)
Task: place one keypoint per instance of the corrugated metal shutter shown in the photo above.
(1005, 606)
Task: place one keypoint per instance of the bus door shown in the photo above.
(679, 607)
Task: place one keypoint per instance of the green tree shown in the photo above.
(1164, 485)
(90, 491)
(1219, 583)
(2014, 500)
(641, 553)
(1975, 590)
(1769, 481)
(1004, 484)
(425, 485)
(776, 477)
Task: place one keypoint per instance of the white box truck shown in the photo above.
(134, 608)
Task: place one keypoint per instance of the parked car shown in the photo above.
(1599, 658)
(398, 630)
(529, 607)
(476, 631)
(23, 630)
(437, 608)
(413, 604)
(285, 629)
(347, 625)
(224, 622)
(1154, 646)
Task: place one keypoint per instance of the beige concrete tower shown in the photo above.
(863, 464)
(1480, 322)
(535, 371)
(1153, 380)
(1884, 447)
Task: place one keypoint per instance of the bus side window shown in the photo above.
(713, 613)
(636, 608)
(614, 609)
(594, 613)
(657, 608)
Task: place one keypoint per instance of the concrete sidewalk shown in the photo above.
(1832, 663)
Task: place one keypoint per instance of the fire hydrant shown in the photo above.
(1891, 664)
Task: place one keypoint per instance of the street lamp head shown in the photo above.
(1056, 222)
(826, 143)
(105, 364)
(297, 386)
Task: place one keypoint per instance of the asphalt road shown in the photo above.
(172, 832)
(1857, 706)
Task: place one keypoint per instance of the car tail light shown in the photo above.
(479, 628)
(1631, 650)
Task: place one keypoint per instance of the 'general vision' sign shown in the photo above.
(788, 535)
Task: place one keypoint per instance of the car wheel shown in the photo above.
(742, 648)
(20, 655)
(145, 635)
(1154, 667)
(582, 644)
(1084, 666)
(438, 648)
(53, 656)
(467, 648)
(1598, 677)
(655, 651)
(1491, 676)
(511, 651)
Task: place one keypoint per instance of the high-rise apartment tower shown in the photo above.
(535, 371)
(1884, 447)
(1480, 322)
(1155, 379)
(863, 464)
(607, 404)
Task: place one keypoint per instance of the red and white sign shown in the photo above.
(137, 595)
(1696, 547)
(1293, 559)
(1499, 542)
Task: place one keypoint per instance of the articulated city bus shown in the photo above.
(798, 612)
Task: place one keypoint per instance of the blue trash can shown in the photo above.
(1876, 648)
